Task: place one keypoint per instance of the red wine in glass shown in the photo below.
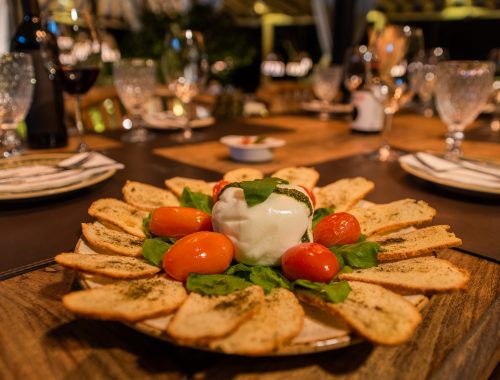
(78, 80)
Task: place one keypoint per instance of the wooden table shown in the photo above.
(39, 339)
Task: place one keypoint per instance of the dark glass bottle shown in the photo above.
(45, 119)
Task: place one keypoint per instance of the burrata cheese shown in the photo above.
(262, 233)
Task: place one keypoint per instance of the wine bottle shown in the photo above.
(45, 119)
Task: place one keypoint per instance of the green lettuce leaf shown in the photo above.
(320, 213)
(358, 255)
(266, 277)
(197, 200)
(153, 250)
(335, 292)
(215, 284)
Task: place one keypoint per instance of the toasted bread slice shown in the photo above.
(392, 216)
(243, 174)
(421, 242)
(121, 267)
(298, 176)
(201, 318)
(412, 276)
(111, 241)
(128, 301)
(119, 214)
(344, 194)
(375, 313)
(177, 185)
(278, 321)
(146, 197)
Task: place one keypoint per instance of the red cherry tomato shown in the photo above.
(201, 252)
(311, 195)
(218, 188)
(336, 229)
(309, 261)
(178, 221)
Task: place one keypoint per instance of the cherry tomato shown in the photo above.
(218, 188)
(176, 222)
(336, 229)
(311, 195)
(309, 261)
(201, 252)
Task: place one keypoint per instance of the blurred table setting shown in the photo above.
(94, 102)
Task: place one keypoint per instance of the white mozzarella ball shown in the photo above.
(262, 233)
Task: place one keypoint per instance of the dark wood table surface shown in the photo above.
(39, 339)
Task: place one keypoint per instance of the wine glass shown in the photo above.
(135, 81)
(355, 63)
(78, 59)
(326, 83)
(494, 56)
(425, 78)
(398, 51)
(462, 89)
(185, 68)
(16, 92)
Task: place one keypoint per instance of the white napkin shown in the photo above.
(462, 171)
(43, 177)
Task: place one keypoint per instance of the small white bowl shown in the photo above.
(244, 148)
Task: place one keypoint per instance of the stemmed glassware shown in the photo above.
(78, 59)
(185, 68)
(135, 81)
(326, 83)
(425, 78)
(355, 67)
(494, 56)
(462, 89)
(16, 92)
(397, 52)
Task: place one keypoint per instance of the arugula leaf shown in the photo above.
(320, 213)
(215, 284)
(145, 225)
(345, 269)
(266, 277)
(358, 255)
(335, 292)
(153, 250)
(197, 200)
(258, 190)
(362, 238)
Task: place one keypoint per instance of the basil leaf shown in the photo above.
(358, 255)
(145, 225)
(266, 277)
(345, 269)
(340, 259)
(362, 238)
(259, 190)
(335, 292)
(153, 250)
(215, 284)
(260, 139)
(197, 200)
(320, 213)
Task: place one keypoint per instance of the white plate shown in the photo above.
(427, 176)
(47, 159)
(166, 121)
(321, 331)
(318, 106)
